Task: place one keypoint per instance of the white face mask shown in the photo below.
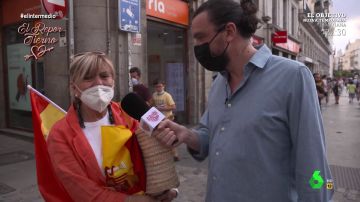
(134, 81)
(97, 97)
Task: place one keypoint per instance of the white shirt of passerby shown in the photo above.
(325, 85)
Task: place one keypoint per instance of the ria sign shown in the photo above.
(171, 10)
(156, 5)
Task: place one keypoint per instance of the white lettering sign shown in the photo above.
(157, 5)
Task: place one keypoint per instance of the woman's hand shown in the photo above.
(167, 196)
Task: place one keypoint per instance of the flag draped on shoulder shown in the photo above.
(45, 114)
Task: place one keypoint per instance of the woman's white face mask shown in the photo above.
(97, 97)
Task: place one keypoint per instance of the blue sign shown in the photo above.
(129, 15)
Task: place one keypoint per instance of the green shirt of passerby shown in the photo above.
(351, 88)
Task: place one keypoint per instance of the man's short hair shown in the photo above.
(135, 69)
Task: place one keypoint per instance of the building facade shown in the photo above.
(350, 59)
(161, 46)
(279, 15)
(316, 45)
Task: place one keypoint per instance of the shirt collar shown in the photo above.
(262, 55)
(259, 59)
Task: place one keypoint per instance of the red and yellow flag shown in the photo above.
(44, 114)
(122, 160)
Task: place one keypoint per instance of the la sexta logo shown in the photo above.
(316, 181)
(153, 117)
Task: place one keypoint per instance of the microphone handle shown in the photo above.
(176, 140)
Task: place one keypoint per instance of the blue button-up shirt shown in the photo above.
(266, 139)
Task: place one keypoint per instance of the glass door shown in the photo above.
(166, 61)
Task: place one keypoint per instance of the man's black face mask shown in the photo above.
(207, 60)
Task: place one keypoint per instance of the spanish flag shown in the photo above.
(44, 114)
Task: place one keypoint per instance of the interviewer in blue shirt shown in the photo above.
(262, 130)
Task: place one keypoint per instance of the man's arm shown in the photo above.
(197, 139)
(308, 140)
(168, 131)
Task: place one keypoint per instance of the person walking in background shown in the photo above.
(351, 88)
(336, 90)
(164, 102)
(326, 88)
(138, 87)
(319, 87)
(341, 85)
(357, 92)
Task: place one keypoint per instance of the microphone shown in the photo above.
(158, 159)
(137, 108)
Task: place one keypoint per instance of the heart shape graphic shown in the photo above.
(38, 51)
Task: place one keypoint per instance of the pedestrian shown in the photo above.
(336, 89)
(138, 87)
(351, 88)
(319, 87)
(75, 142)
(164, 102)
(357, 89)
(341, 84)
(262, 129)
(326, 88)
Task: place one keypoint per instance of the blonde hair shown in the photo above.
(86, 65)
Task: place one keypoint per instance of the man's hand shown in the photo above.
(169, 133)
(173, 134)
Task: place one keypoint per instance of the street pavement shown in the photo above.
(342, 129)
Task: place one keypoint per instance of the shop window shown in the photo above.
(274, 12)
(285, 14)
(18, 74)
(275, 51)
(285, 55)
(166, 61)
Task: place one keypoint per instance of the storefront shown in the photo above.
(289, 49)
(159, 48)
(18, 72)
(310, 63)
(167, 24)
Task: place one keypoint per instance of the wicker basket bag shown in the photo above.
(159, 165)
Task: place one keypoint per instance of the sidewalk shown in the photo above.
(342, 129)
(17, 171)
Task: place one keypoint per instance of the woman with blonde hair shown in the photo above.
(75, 143)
